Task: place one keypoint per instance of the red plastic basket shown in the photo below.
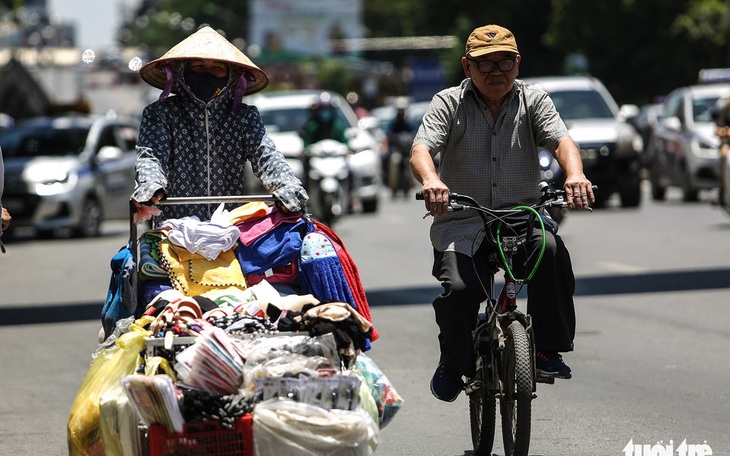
(207, 438)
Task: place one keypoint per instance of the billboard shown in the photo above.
(303, 27)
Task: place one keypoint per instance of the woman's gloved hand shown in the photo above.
(145, 211)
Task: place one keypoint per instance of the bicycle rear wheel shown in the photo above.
(482, 414)
(515, 406)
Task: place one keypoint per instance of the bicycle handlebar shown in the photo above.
(550, 197)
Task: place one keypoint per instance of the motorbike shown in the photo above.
(328, 180)
(552, 173)
(398, 170)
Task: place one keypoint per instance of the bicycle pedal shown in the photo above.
(547, 380)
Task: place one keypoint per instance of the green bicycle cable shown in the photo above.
(542, 248)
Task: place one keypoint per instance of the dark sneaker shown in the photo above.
(446, 383)
(550, 364)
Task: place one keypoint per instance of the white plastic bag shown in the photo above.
(120, 424)
(282, 427)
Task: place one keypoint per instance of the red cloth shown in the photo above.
(351, 274)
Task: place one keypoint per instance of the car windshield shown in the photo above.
(581, 104)
(43, 142)
(292, 119)
(702, 108)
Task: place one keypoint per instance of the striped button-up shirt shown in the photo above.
(494, 161)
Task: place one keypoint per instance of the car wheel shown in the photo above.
(630, 192)
(658, 191)
(689, 194)
(370, 206)
(90, 223)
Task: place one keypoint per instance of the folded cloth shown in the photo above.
(193, 274)
(149, 289)
(278, 247)
(253, 228)
(149, 268)
(254, 210)
(352, 275)
(205, 238)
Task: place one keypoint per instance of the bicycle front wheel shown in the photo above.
(515, 405)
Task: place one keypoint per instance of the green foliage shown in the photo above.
(639, 48)
(642, 49)
(158, 25)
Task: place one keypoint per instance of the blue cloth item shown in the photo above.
(149, 289)
(149, 268)
(321, 274)
(121, 301)
(278, 247)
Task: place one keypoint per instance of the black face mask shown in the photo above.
(204, 85)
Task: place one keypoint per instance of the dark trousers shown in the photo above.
(549, 298)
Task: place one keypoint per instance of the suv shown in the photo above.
(684, 148)
(610, 147)
(67, 174)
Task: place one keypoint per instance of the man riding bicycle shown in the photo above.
(488, 130)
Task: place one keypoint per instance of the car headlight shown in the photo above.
(628, 141)
(705, 149)
(51, 180)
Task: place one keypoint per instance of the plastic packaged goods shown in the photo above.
(84, 433)
(387, 399)
(286, 428)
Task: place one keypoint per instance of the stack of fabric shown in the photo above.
(218, 264)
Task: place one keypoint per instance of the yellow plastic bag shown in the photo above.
(84, 434)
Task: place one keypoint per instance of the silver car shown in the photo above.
(285, 112)
(66, 174)
(684, 148)
(610, 147)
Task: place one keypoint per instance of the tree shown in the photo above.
(157, 25)
(642, 49)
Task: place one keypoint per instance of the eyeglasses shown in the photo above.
(487, 66)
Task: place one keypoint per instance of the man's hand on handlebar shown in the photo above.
(579, 193)
(436, 198)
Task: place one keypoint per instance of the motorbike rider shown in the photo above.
(197, 142)
(397, 144)
(323, 123)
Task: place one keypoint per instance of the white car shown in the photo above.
(611, 148)
(285, 112)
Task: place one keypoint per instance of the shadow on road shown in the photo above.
(703, 279)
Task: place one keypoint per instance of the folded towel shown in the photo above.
(193, 274)
(149, 268)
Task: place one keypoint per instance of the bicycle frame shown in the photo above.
(503, 337)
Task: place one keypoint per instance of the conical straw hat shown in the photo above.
(206, 43)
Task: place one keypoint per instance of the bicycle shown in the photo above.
(503, 338)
